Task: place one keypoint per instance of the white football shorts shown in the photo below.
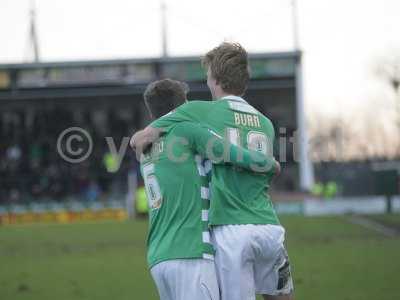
(251, 259)
(184, 279)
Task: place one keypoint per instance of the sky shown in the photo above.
(343, 40)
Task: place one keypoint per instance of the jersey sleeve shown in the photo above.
(192, 111)
(212, 146)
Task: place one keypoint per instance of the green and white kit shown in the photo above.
(178, 193)
(249, 241)
(238, 196)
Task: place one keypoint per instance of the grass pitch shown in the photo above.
(331, 259)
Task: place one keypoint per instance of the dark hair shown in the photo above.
(229, 66)
(162, 96)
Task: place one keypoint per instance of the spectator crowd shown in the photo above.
(31, 168)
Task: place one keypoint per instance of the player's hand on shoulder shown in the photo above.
(143, 139)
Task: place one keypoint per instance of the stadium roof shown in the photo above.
(79, 63)
(130, 76)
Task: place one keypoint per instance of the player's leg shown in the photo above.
(284, 285)
(208, 280)
(272, 271)
(183, 279)
(233, 261)
(158, 272)
(196, 279)
(280, 280)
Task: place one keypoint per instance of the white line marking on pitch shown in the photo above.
(373, 225)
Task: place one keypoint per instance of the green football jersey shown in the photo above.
(178, 193)
(238, 196)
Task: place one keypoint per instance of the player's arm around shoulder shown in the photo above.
(219, 150)
(202, 140)
(192, 111)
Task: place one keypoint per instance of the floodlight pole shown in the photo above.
(164, 29)
(295, 25)
(306, 167)
(33, 34)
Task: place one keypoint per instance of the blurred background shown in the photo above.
(326, 73)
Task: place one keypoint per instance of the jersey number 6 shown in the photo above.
(153, 191)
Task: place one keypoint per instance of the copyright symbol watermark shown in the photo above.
(74, 145)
